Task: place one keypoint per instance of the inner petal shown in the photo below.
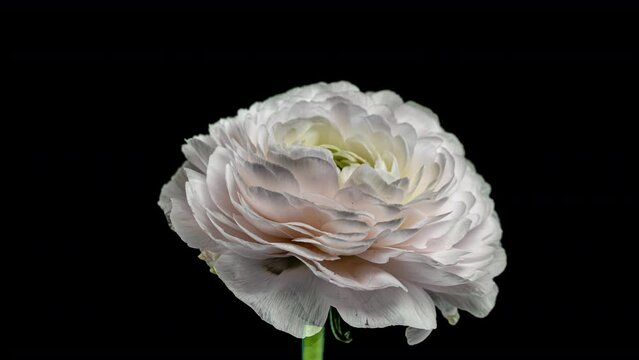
(343, 157)
(361, 140)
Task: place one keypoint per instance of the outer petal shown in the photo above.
(419, 117)
(173, 189)
(185, 225)
(414, 335)
(478, 305)
(180, 215)
(388, 98)
(385, 307)
(198, 149)
(284, 294)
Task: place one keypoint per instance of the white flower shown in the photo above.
(326, 196)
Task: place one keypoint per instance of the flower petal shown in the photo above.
(187, 228)
(368, 179)
(384, 307)
(422, 270)
(421, 118)
(285, 294)
(216, 180)
(173, 189)
(354, 273)
(198, 149)
(414, 335)
(387, 97)
(313, 168)
(478, 305)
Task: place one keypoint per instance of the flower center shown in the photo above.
(344, 158)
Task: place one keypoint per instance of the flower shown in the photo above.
(327, 196)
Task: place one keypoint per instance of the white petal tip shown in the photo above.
(453, 319)
(414, 335)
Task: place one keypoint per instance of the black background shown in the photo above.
(102, 95)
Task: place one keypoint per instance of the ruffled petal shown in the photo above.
(174, 189)
(354, 273)
(198, 149)
(478, 305)
(187, 228)
(419, 117)
(282, 292)
(386, 307)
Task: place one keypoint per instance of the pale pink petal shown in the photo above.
(307, 252)
(216, 180)
(198, 149)
(313, 168)
(283, 292)
(380, 255)
(385, 307)
(174, 189)
(478, 305)
(422, 270)
(269, 176)
(187, 228)
(369, 180)
(336, 246)
(354, 273)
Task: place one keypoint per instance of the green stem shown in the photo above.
(313, 347)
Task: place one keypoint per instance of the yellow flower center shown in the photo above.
(344, 158)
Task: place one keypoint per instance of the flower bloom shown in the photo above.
(327, 196)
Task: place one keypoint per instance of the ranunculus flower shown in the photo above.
(326, 196)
